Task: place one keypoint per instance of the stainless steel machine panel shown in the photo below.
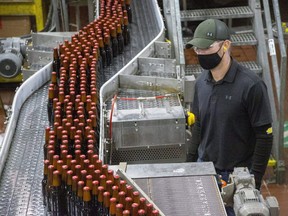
(142, 118)
(147, 126)
(181, 189)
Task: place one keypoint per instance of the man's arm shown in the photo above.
(263, 146)
(192, 154)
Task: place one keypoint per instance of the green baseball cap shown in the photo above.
(207, 32)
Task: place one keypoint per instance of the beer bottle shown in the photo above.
(105, 170)
(63, 194)
(121, 196)
(129, 191)
(142, 204)
(141, 212)
(123, 5)
(126, 213)
(112, 209)
(111, 175)
(134, 209)
(74, 195)
(55, 83)
(50, 105)
(109, 185)
(98, 165)
(106, 197)
(69, 194)
(149, 209)
(115, 192)
(89, 181)
(87, 208)
(56, 203)
(54, 160)
(155, 212)
(63, 156)
(71, 144)
(136, 197)
(56, 62)
(108, 50)
(83, 175)
(128, 9)
(49, 182)
(68, 161)
(114, 41)
(91, 169)
(120, 39)
(123, 186)
(79, 199)
(100, 199)
(44, 182)
(95, 185)
(128, 203)
(97, 174)
(102, 51)
(103, 181)
(47, 139)
(126, 32)
(119, 209)
(117, 180)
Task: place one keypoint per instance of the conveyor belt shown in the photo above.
(20, 183)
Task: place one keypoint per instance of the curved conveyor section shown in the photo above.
(21, 154)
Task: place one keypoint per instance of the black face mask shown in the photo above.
(210, 61)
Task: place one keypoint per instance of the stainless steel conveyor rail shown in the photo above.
(21, 154)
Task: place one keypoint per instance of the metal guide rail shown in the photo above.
(20, 182)
(181, 189)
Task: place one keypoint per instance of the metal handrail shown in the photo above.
(271, 46)
(283, 71)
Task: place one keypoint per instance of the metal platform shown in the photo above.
(216, 13)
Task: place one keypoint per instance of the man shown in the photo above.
(231, 105)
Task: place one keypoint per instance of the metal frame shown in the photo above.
(280, 83)
(112, 85)
(161, 179)
(263, 60)
(283, 72)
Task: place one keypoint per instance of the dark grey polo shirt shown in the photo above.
(228, 110)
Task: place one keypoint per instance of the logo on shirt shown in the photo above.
(269, 130)
(228, 97)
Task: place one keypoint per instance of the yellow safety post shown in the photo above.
(32, 8)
